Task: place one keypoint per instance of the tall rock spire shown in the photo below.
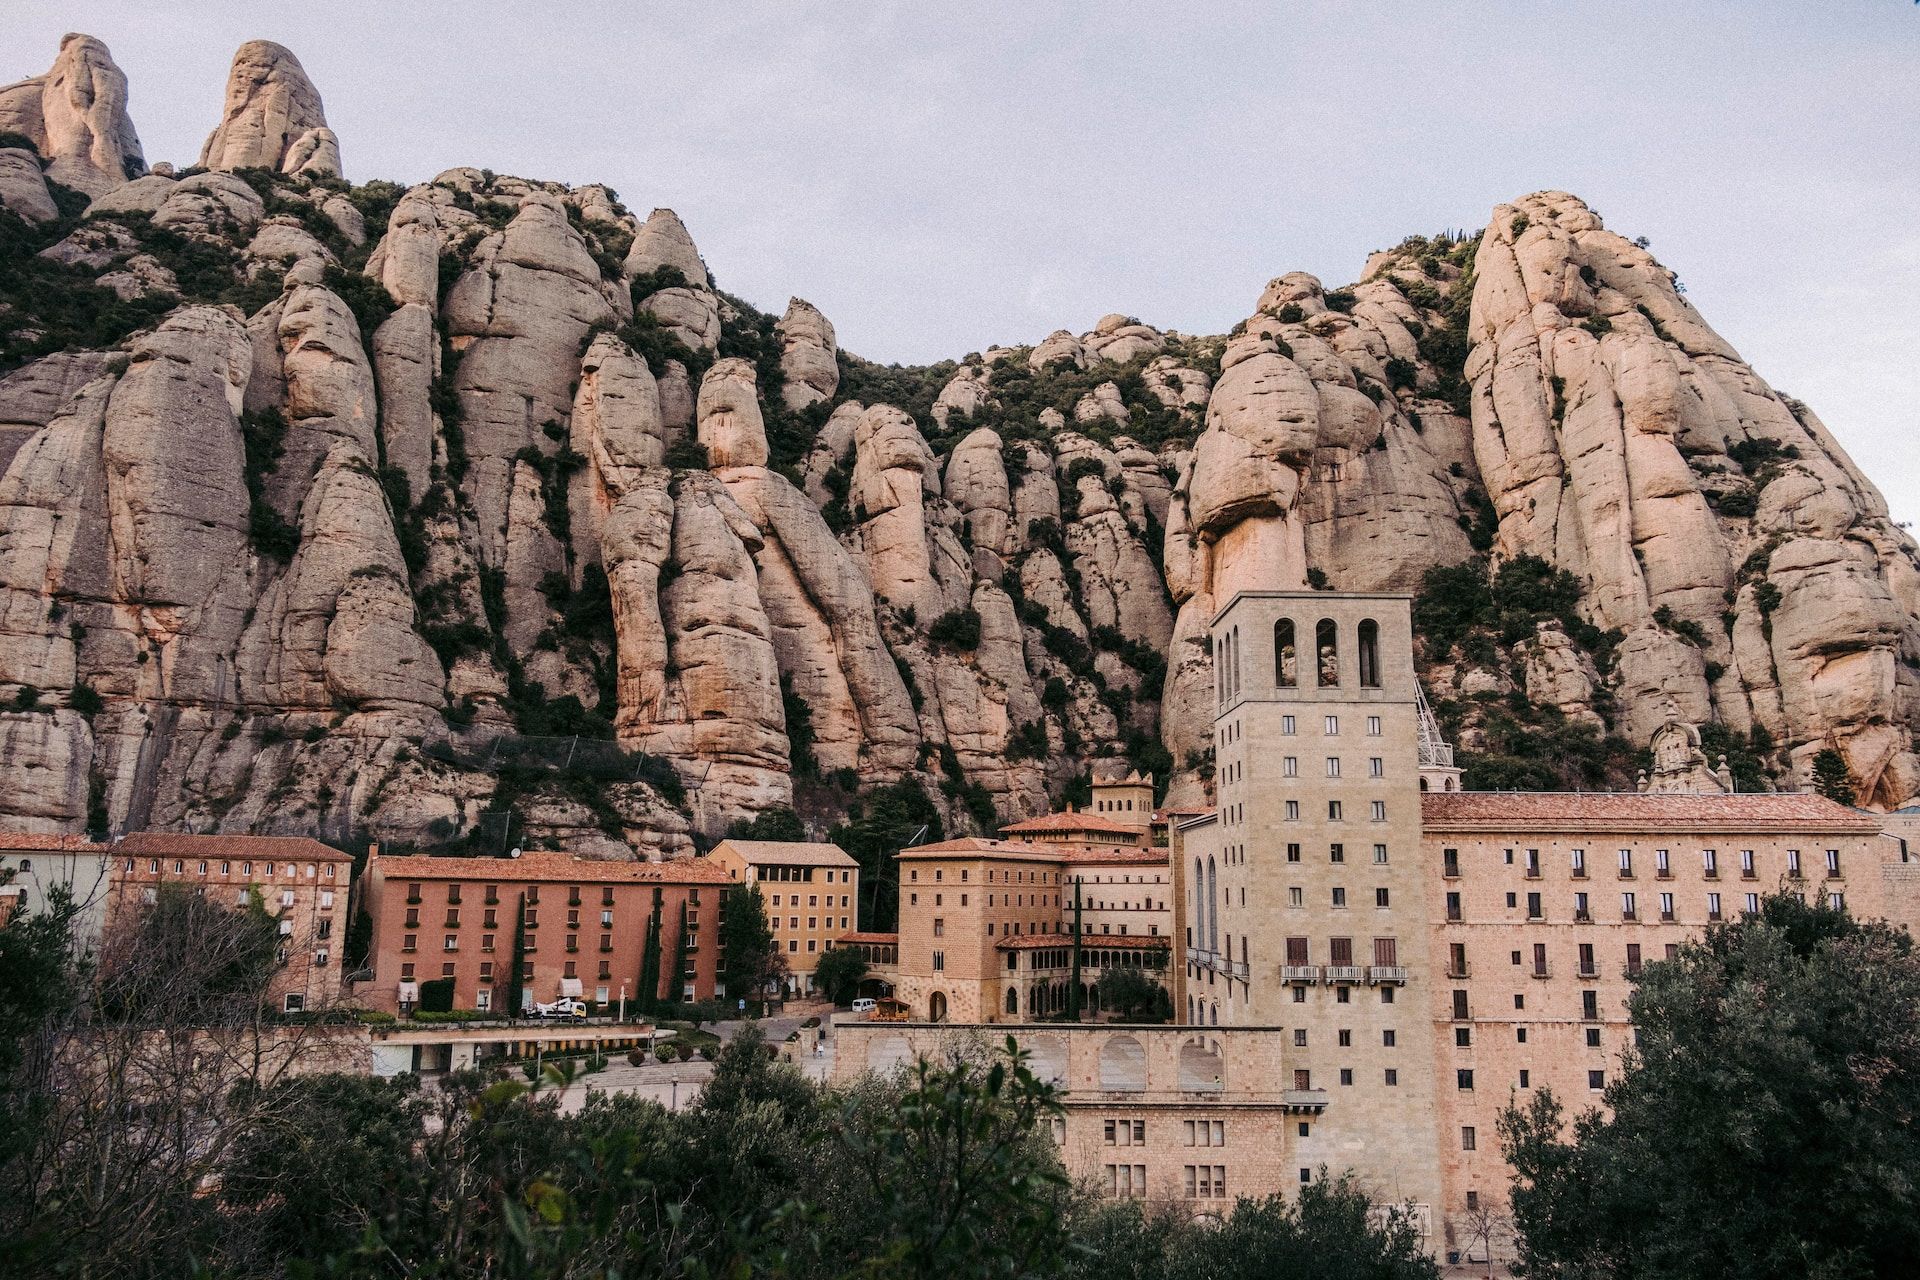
(76, 115)
(273, 117)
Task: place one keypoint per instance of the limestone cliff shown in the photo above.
(477, 513)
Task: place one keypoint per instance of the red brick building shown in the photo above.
(586, 927)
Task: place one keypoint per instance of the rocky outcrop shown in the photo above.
(1624, 440)
(322, 567)
(76, 115)
(662, 241)
(272, 118)
(807, 355)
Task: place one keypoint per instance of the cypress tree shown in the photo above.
(675, 982)
(650, 960)
(516, 986)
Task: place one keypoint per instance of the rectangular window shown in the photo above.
(1580, 908)
(1379, 810)
(1833, 862)
(1286, 724)
(1376, 767)
(1336, 852)
(939, 962)
(1449, 862)
(1710, 863)
(1333, 726)
(1793, 863)
(1373, 726)
(1293, 811)
(1713, 906)
(1626, 862)
(1666, 907)
(1579, 863)
(1753, 904)
(1333, 766)
(1662, 863)
(1837, 901)
(1380, 897)
(1339, 897)
(1596, 1080)
(1293, 853)
(1463, 1078)
(1628, 909)
(1747, 871)
(1290, 767)
(1467, 1138)
(1534, 909)
(1633, 958)
(1333, 811)
(1380, 855)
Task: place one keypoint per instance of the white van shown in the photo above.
(864, 1005)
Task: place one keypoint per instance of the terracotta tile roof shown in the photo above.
(1604, 811)
(1091, 941)
(870, 939)
(790, 853)
(549, 867)
(173, 844)
(25, 842)
(1022, 851)
(1074, 822)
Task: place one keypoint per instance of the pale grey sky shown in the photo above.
(937, 178)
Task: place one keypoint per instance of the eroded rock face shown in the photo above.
(76, 115)
(662, 241)
(273, 118)
(1610, 423)
(23, 190)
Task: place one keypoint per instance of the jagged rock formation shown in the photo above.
(273, 118)
(76, 116)
(420, 484)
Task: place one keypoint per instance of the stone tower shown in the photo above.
(1303, 906)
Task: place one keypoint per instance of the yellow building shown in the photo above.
(811, 892)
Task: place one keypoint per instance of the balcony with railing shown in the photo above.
(1304, 975)
(1304, 1101)
(1344, 974)
(1387, 975)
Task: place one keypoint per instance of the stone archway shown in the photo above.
(937, 1007)
(1123, 1064)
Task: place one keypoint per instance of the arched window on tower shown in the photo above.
(1326, 646)
(1213, 909)
(1369, 654)
(1286, 657)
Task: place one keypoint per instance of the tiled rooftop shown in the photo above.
(789, 853)
(1519, 811)
(1022, 851)
(1047, 822)
(173, 844)
(549, 867)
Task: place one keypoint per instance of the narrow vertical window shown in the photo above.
(1369, 635)
(1286, 661)
(1326, 644)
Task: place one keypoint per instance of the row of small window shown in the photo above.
(1004, 900)
(1662, 862)
(1589, 1008)
(409, 942)
(1004, 877)
(1200, 1181)
(1389, 1038)
(1463, 1081)
(1336, 812)
(1194, 1133)
(532, 894)
(1290, 725)
(813, 899)
(790, 875)
(322, 928)
(288, 871)
(1337, 852)
(813, 922)
(526, 975)
(1629, 906)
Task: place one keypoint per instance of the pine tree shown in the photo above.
(1831, 777)
(747, 942)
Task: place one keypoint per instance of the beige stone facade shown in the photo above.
(1174, 1115)
(811, 893)
(986, 926)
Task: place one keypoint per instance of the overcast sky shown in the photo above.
(937, 178)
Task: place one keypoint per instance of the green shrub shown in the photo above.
(957, 629)
(86, 699)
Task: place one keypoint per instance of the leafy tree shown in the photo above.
(968, 1183)
(1131, 996)
(1831, 777)
(878, 826)
(1764, 1126)
(675, 982)
(777, 823)
(839, 974)
(436, 995)
(753, 962)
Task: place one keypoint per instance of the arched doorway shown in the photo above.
(937, 1007)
